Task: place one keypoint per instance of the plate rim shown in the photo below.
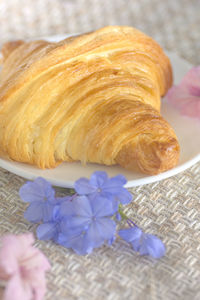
(130, 183)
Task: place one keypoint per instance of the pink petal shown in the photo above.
(38, 285)
(26, 240)
(179, 98)
(186, 96)
(191, 78)
(34, 261)
(192, 110)
(8, 259)
(16, 288)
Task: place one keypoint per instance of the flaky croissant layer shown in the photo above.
(90, 98)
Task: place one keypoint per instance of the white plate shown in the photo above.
(187, 131)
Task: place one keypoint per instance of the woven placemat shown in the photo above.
(169, 209)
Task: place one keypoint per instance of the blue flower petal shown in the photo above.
(94, 235)
(29, 192)
(130, 234)
(119, 179)
(81, 246)
(77, 242)
(39, 190)
(63, 240)
(106, 228)
(60, 200)
(47, 212)
(124, 197)
(82, 206)
(154, 245)
(136, 244)
(77, 221)
(100, 230)
(68, 231)
(142, 249)
(98, 179)
(66, 208)
(47, 231)
(34, 212)
(110, 242)
(83, 187)
(102, 207)
(115, 183)
(115, 204)
(79, 205)
(48, 191)
(56, 213)
(84, 240)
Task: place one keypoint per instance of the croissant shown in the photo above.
(89, 98)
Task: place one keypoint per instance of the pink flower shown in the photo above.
(23, 267)
(186, 96)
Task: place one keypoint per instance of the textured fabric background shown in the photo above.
(170, 209)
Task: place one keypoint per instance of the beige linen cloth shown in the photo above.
(169, 209)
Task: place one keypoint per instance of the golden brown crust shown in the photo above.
(94, 98)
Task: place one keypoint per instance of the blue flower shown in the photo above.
(144, 243)
(100, 185)
(41, 197)
(84, 221)
(89, 224)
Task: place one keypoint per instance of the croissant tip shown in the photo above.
(151, 158)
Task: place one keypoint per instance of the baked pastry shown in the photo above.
(89, 98)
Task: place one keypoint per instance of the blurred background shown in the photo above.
(173, 23)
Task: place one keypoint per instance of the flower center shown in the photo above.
(94, 218)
